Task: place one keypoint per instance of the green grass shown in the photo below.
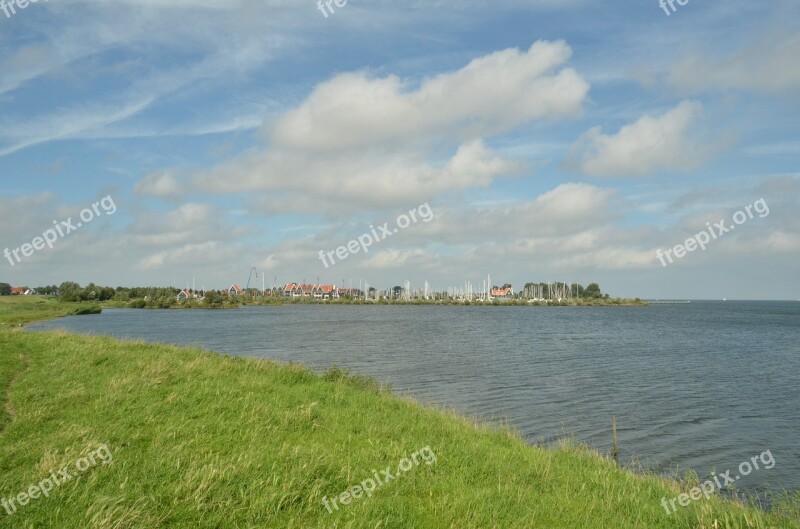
(200, 440)
(18, 310)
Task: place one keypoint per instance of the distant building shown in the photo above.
(304, 290)
(235, 290)
(17, 291)
(329, 292)
(184, 294)
(292, 290)
(503, 292)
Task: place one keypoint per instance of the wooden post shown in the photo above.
(614, 430)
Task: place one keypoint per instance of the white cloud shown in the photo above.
(191, 223)
(357, 140)
(158, 184)
(386, 259)
(767, 67)
(619, 258)
(562, 227)
(666, 142)
(371, 179)
(490, 95)
(560, 212)
(181, 255)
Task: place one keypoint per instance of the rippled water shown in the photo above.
(704, 385)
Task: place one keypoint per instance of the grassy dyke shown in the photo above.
(201, 440)
(19, 310)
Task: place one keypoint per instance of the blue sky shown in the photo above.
(554, 141)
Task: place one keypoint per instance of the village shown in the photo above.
(362, 292)
(332, 292)
(531, 292)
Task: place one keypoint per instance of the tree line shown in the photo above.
(135, 297)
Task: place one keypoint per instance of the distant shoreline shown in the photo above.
(277, 302)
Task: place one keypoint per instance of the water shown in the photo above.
(705, 385)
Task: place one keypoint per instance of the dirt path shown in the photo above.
(7, 404)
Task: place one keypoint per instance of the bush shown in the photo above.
(336, 374)
(92, 309)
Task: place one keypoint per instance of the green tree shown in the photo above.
(5, 289)
(50, 290)
(105, 293)
(122, 295)
(592, 291)
(69, 291)
(90, 292)
(213, 299)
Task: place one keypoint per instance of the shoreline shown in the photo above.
(283, 303)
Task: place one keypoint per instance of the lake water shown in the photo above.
(705, 385)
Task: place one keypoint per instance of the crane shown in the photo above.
(253, 269)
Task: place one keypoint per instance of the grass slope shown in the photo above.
(205, 441)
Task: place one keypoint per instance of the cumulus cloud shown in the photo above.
(380, 142)
(665, 142)
(370, 177)
(489, 95)
(769, 66)
(571, 222)
(559, 212)
(183, 254)
(158, 184)
(192, 223)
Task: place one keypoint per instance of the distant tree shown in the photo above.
(105, 293)
(213, 299)
(5, 289)
(69, 291)
(138, 293)
(90, 292)
(50, 290)
(592, 291)
(122, 295)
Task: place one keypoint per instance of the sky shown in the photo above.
(550, 140)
